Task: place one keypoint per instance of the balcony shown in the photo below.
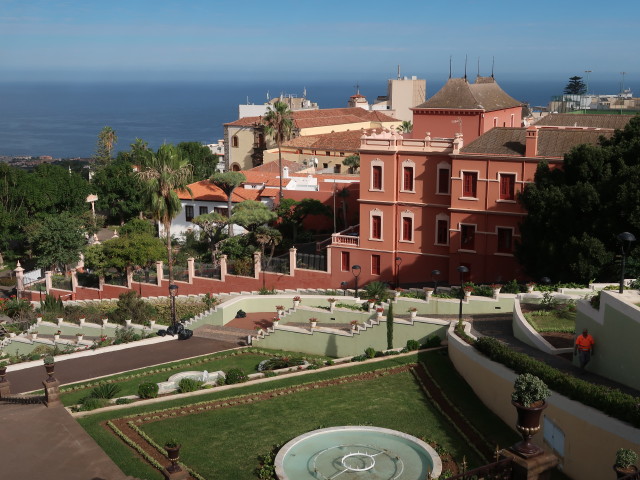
(349, 237)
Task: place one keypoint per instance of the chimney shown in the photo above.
(531, 145)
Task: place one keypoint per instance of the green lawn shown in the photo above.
(224, 443)
(552, 321)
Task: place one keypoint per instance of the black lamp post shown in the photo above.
(343, 285)
(462, 269)
(434, 277)
(355, 270)
(624, 237)
(173, 293)
(398, 263)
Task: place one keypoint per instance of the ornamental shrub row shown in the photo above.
(610, 401)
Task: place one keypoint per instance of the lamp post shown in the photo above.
(624, 237)
(434, 277)
(173, 293)
(462, 269)
(343, 285)
(398, 263)
(355, 270)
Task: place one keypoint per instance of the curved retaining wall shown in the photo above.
(524, 332)
(591, 438)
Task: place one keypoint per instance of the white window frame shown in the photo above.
(462, 172)
(515, 181)
(412, 216)
(377, 163)
(445, 217)
(376, 212)
(475, 237)
(408, 164)
(443, 166)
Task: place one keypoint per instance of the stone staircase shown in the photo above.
(236, 336)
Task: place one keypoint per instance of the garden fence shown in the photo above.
(311, 262)
(277, 264)
(207, 270)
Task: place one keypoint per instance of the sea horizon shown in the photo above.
(62, 119)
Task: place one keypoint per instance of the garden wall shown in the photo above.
(347, 344)
(524, 332)
(615, 328)
(591, 438)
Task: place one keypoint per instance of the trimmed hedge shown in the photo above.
(610, 401)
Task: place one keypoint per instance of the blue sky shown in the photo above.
(312, 39)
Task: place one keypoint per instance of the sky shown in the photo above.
(211, 40)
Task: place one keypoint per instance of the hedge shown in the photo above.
(608, 400)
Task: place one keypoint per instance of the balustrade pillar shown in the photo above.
(293, 258)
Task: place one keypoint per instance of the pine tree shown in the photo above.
(575, 86)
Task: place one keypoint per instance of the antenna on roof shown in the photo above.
(398, 71)
(449, 66)
(465, 67)
(493, 62)
(478, 66)
(357, 87)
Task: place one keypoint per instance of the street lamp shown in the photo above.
(434, 277)
(343, 285)
(173, 293)
(462, 269)
(398, 263)
(355, 270)
(622, 238)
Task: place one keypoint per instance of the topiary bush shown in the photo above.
(235, 375)
(189, 385)
(529, 390)
(123, 401)
(412, 345)
(370, 352)
(148, 390)
(625, 458)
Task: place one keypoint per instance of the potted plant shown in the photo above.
(81, 321)
(60, 320)
(172, 446)
(529, 397)
(468, 289)
(49, 365)
(530, 287)
(105, 321)
(79, 336)
(354, 326)
(276, 321)
(56, 336)
(313, 321)
(3, 371)
(39, 319)
(296, 301)
(34, 334)
(280, 309)
(379, 312)
(625, 462)
(496, 289)
(258, 330)
(413, 311)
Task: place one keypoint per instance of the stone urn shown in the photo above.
(624, 472)
(56, 337)
(127, 323)
(528, 425)
(413, 313)
(104, 321)
(60, 320)
(81, 321)
(296, 303)
(276, 323)
(34, 335)
(38, 319)
(173, 454)
(3, 373)
(79, 337)
(49, 366)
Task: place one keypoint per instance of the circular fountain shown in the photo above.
(365, 453)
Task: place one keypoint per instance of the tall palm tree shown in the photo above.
(278, 123)
(405, 127)
(163, 173)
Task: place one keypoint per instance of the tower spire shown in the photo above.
(465, 67)
(449, 66)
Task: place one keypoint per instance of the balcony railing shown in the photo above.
(345, 240)
(348, 236)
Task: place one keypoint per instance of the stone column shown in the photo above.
(257, 264)
(19, 280)
(191, 266)
(129, 277)
(293, 257)
(159, 272)
(223, 267)
(47, 280)
(534, 468)
(329, 250)
(74, 280)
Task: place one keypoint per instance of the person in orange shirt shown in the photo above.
(584, 348)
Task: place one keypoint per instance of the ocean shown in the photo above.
(63, 119)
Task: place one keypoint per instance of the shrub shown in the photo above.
(105, 390)
(370, 352)
(276, 363)
(482, 290)
(511, 287)
(91, 403)
(189, 385)
(123, 401)
(412, 345)
(432, 342)
(131, 306)
(377, 290)
(235, 375)
(610, 401)
(529, 389)
(148, 390)
(595, 300)
(625, 458)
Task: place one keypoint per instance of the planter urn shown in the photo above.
(332, 305)
(81, 321)
(276, 322)
(127, 323)
(280, 312)
(60, 320)
(39, 320)
(152, 323)
(50, 367)
(313, 324)
(296, 303)
(496, 292)
(34, 336)
(624, 472)
(56, 337)
(104, 321)
(3, 373)
(79, 338)
(530, 288)
(528, 425)
(173, 454)
(413, 314)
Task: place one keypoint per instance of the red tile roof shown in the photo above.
(206, 191)
(324, 117)
(336, 141)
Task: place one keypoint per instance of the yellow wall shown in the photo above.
(591, 437)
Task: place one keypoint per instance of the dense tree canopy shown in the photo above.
(201, 158)
(119, 190)
(56, 240)
(575, 86)
(576, 212)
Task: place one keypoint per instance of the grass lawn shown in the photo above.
(552, 321)
(129, 381)
(224, 443)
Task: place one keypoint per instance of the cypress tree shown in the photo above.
(390, 326)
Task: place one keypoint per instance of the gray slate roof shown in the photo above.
(584, 120)
(459, 94)
(551, 142)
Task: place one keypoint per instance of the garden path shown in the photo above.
(500, 327)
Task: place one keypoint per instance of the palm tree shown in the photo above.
(228, 182)
(163, 173)
(405, 127)
(107, 138)
(279, 125)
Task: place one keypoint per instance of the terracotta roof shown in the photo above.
(459, 94)
(272, 167)
(552, 142)
(204, 190)
(325, 117)
(336, 141)
(584, 120)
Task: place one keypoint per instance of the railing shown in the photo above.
(311, 262)
(207, 270)
(345, 240)
(23, 399)
(61, 283)
(277, 264)
(146, 275)
(32, 276)
(88, 280)
(500, 470)
(39, 286)
(116, 278)
(181, 273)
(240, 266)
(351, 232)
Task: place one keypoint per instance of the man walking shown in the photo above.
(584, 348)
